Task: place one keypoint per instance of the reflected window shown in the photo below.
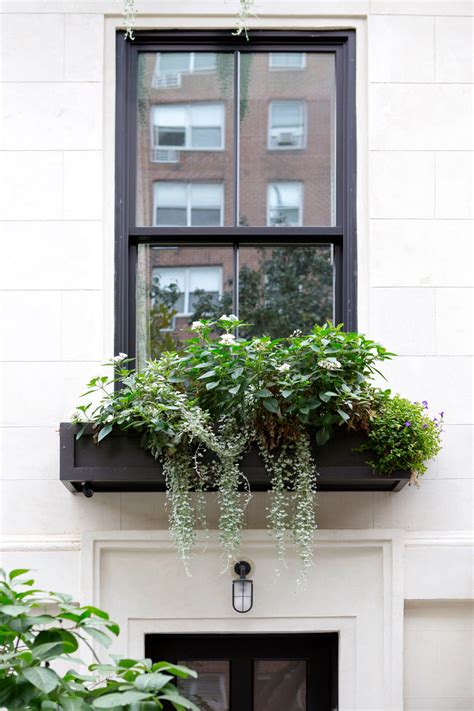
(170, 66)
(188, 126)
(179, 204)
(287, 60)
(188, 284)
(286, 125)
(285, 204)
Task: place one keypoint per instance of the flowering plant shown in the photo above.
(200, 409)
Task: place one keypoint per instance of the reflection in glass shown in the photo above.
(287, 133)
(177, 204)
(280, 685)
(285, 204)
(287, 60)
(282, 289)
(175, 286)
(210, 691)
(184, 132)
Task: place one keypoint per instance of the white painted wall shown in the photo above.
(415, 190)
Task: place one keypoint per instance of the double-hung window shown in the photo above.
(235, 184)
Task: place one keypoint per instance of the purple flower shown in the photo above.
(441, 414)
(407, 424)
(425, 404)
(425, 426)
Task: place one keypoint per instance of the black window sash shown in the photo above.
(128, 236)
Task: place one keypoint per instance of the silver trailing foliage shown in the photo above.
(200, 410)
(130, 12)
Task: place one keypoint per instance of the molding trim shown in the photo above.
(389, 542)
(38, 542)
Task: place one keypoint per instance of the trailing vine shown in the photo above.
(246, 10)
(200, 409)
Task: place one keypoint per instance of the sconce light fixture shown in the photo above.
(242, 589)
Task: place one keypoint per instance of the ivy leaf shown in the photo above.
(236, 373)
(211, 386)
(99, 636)
(104, 432)
(235, 389)
(322, 436)
(46, 680)
(14, 610)
(271, 405)
(286, 393)
(152, 682)
(176, 669)
(18, 571)
(125, 698)
(264, 393)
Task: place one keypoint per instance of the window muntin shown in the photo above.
(189, 126)
(287, 61)
(179, 204)
(285, 204)
(328, 211)
(286, 125)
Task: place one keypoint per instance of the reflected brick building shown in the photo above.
(191, 155)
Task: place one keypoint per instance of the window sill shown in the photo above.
(120, 464)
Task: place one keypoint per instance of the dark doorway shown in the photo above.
(254, 672)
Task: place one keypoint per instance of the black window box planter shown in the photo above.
(118, 463)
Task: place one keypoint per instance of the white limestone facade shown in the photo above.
(393, 571)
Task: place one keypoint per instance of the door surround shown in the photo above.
(135, 576)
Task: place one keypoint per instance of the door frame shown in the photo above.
(318, 649)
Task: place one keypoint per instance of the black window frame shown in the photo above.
(128, 236)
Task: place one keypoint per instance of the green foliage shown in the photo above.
(38, 630)
(403, 436)
(291, 289)
(199, 410)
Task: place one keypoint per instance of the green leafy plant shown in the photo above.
(403, 436)
(39, 632)
(200, 409)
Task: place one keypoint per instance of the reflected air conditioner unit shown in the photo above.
(167, 81)
(164, 155)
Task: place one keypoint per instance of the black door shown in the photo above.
(254, 672)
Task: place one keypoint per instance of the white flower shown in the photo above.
(330, 364)
(119, 357)
(227, 339)
(231, 317)
(196, 325)
(283, 368)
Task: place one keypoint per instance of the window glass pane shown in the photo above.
(185, 125)
(205, 61)
(172, 62)
(287, 60)
(210, 691)
(176, 286)
(282, 289)
(170, 217)
(280, 684)
(287, 134)
(206, 137)
(202, 217)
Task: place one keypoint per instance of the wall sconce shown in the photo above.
(242, 589)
